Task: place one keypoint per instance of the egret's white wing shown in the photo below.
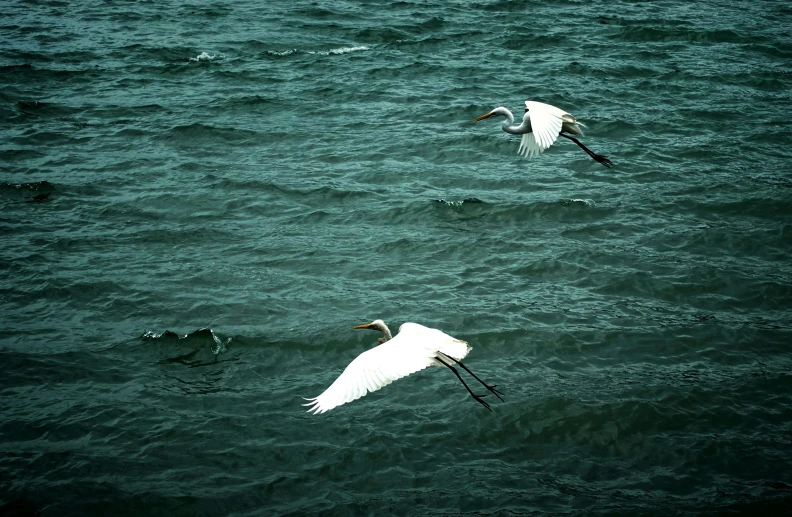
(413, 349)
(528, 145)
(546, 123)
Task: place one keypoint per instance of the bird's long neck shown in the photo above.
(510, 127)
(385, 330)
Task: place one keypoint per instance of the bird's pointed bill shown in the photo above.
(486, 115)
(364, 326)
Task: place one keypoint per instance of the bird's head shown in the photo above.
(374, 325)
(377, 325)
(499, 111)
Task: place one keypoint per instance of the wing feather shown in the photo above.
(412, 350)
(546, 121)
(528, 145)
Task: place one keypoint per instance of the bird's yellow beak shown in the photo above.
(365, 326)
(486, 115)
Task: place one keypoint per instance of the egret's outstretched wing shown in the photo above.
(546, 123)
(413, 349)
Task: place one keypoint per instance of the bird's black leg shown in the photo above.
(491, 388)
(597, 157)
(478, 398)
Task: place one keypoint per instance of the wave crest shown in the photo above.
(205, 56)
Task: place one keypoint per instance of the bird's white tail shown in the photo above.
(455, 348)
(569, 124)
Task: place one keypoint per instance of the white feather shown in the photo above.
(546, 123)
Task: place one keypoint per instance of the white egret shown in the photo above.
(414, 348)
(541, 126)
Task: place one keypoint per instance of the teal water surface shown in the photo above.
(198, 201)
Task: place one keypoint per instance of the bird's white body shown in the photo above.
(414, 348)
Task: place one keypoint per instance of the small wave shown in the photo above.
(33, 192)
(205, 56)
(458, 203)
(586, 202)
(280, 53)
(191, 134)
(340, 50)
(194, 338)
(35, 186)
(150, 334)
(331, 52)
(663, 33)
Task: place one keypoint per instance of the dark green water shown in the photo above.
(278, 172)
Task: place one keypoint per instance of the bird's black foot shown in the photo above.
(603, 160)
(494, 391)
(480, 400)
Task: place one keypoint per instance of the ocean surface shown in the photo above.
(199, 200)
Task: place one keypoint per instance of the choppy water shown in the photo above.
(199, 201)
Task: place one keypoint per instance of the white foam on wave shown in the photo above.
(219, 346)
(331, 52)
(460, 202)
(450, 203)
(338, 51)
(343, 50)
(587, 202)
(282, 52)
(205, 56)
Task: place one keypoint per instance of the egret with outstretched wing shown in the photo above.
(541, 126)
(414, 348)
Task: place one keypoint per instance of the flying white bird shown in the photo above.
(541, 126)
(414, 348)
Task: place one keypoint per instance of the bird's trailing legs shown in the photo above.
(597, 157)
(490, 388)
(477, 398)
